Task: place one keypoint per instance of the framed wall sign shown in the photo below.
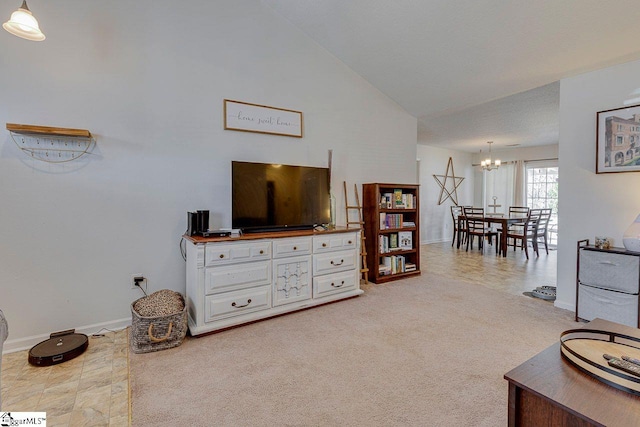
(618, 140)
(247, 117)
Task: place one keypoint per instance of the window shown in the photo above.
(542, 192)
(619, 139)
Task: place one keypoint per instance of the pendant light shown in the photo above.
(24, 24)
(490, 164)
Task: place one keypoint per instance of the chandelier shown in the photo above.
(490, 164)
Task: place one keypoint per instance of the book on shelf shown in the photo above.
(386, 200)
(408, 224)
(383, 220)
(384, 270)
(405, 240)
(393, 241)
(398, 199)
(383, 244)
(409, 266)
(409, 201)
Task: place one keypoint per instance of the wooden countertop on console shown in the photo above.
(270, 235)
(556, 389)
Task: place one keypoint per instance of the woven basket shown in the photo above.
(157, 333)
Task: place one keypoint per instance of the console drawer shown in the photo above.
(334, 242)
(224, 278)
(333, 262)
(334, 283)
(610, 270)
(229, 304)
(291, 247)
(609, 305)
(228, 253)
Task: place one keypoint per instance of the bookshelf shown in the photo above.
(391, 224)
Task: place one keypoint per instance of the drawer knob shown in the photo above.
(335, 263)
(221, 256)
(350, 242)
(324, 245)
(261, 252)
(233, 304)
(338, 286)
(295, 248)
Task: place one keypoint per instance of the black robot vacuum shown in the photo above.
(60, 347)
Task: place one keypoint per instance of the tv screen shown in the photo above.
(271, 197)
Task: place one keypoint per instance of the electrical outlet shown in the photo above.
(138, 281)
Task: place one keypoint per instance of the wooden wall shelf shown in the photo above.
(46, 130)
(51, 144)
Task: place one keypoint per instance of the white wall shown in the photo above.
(435, 222)
(148, 79)
(591, 204)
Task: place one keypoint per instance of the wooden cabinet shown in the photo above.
(392, 230)
(231, 281)
(608, 284)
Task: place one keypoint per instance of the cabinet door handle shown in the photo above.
(609, 263)
(338, 286)
(341, 262)
(233, 304)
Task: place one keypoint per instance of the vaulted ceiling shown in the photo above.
(472, 71)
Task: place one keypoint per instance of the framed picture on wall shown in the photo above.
(618, 140)
(247, 117)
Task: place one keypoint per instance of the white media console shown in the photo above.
(231, 281)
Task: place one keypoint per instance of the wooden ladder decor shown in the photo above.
(360, 224)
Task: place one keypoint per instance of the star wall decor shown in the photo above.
(451, 189)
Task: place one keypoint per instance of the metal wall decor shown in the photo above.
(449, 184)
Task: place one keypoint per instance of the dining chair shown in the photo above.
(518, 211)
(517, 228)
(456, 211)
(525, 233)
(542, 227)
(476, 226)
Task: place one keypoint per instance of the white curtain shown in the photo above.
(499, 183)
(519, 179)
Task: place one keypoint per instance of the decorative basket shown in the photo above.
(153, 333)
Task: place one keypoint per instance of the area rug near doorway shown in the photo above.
(422, 351)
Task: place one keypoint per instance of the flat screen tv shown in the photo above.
(270, 197)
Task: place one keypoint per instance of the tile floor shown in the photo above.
(90, 390)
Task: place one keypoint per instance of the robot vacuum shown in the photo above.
(60, 347)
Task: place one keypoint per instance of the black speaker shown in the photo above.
(203, 221)
(192, 223)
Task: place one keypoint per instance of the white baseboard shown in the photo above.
(11, 346)
(564, 305)
(427, 242)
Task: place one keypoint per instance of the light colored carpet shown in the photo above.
(422, 351)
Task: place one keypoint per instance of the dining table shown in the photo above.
(491, 219)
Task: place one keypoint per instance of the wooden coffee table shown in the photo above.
(549, 391)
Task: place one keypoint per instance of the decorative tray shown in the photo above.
(600, 354)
